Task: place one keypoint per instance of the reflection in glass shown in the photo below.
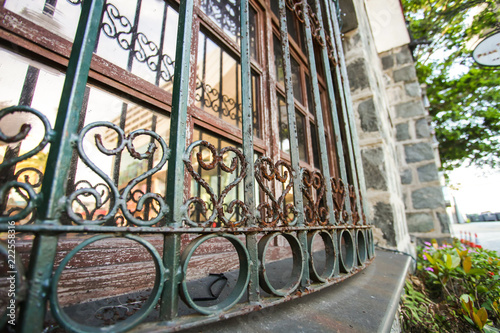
(226, 14)
(284, 132)
(218, 86)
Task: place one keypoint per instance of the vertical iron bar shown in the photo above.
(351, 131)
(247, 129)
(292, 127)
(118, 157)
(59, 161)
(294, 145)
(177, 143)
(333, 109)
(317, 108)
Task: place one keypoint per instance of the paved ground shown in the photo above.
(488, 233)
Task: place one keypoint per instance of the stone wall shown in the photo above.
(422, 187)
(376, 136)
(399, 155)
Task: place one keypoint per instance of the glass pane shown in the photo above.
(296, 81)
(253, 33)
(284, 130)
(218, 84)
(315, 145)
(283, 125)
(301, 136)
(59, 17)
(278, 60)
(255, 105)
(139, 36)
(310, 102)
(141, 39)
(226, 14)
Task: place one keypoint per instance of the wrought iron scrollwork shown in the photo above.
(238, 163)
(296, 7)
(315, 211)
(26, 180)
(339, 197)
(278, 211)
(115, 199)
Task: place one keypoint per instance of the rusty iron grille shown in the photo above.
(221, 187)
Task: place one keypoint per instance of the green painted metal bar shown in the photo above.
(325, 169)
(247, 126)
(346, 102)
(58, 163)
(175, 176)
(337, 43)
(294, 145)
(292, 127)
(333, 108)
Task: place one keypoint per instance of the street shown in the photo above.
(488, 233)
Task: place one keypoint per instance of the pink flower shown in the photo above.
(425, 258)
(430, 269)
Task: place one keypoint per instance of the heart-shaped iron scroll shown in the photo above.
(278, 210)
(315, 211)
(339, 196)
(115, 198)
(216, 200)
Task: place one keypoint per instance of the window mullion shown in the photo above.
(345, 96)
(318, 113)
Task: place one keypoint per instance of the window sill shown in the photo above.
(366, 302)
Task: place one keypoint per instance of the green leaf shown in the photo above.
(449, 263)
(477, 271)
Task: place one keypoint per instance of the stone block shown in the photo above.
(428, 197)
(404, 57)
(402, 132)
(420, 222)
(351, 42)
(358, 77)
(418, 152)
(413, 89)
(406, 177)
(384, 219)
(409, 109)
(422, 128)
(428, 173)
(374, 168)
(444, 221)
(407, 73)
(387, 62)
(368, 116)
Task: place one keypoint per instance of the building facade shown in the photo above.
(167, 142)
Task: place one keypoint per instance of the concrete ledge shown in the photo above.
(366, 302)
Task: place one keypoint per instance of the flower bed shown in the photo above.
(456, 288)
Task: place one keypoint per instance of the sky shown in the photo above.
(476, 190)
